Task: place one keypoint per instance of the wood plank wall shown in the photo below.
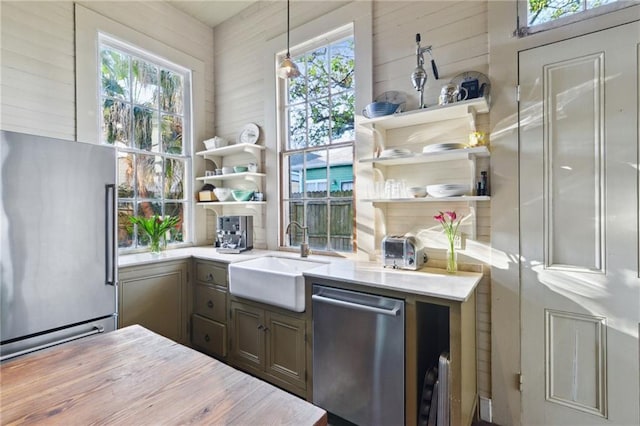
(458, 32)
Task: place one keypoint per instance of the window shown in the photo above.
(545, 14)
(144, 105)
(317, 115)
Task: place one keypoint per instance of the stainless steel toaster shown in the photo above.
(401, 252)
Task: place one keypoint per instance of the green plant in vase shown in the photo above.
(450, 223)
(155, 227)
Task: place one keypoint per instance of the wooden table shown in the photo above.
(133, 376)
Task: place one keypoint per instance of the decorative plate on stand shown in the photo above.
(249, 134)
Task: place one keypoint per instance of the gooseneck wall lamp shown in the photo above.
(288, 68)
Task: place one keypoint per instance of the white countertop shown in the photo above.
(427, 281)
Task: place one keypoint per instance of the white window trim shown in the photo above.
(360, 14)
(88, 27)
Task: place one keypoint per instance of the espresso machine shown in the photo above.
(234, 234)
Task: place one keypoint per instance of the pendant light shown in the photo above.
(288, 68)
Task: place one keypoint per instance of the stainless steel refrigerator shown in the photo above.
(58, 252)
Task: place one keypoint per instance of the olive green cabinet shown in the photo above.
(156, 297)
(209, 319)
(270, 344)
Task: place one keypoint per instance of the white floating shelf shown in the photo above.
(454, 154)
(463, 198)
(457, 110)
(214, 204)
(232, 149)
(230, 176)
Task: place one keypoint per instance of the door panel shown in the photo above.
(286, 349)
(248, 335)
(580, 286)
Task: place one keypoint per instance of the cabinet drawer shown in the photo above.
(211, 273)
(210, 302)
(209, 336)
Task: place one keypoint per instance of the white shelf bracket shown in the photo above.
(471, 113)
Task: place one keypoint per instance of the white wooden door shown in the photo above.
(580, 285)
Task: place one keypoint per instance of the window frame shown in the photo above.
(134, 52)
(523, 29)
(360, 15)
(285, 152)
(88, 25)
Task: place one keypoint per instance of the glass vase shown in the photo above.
(452, 260)
(154, 246)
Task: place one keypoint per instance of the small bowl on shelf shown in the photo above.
(242, 194)
(216, 142)
(227, 170)
(379, 109)
(240, 169)
(417, 191)
(223, 194)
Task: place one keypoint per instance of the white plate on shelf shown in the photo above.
(395, 153)
(447, 190)
(249, 134)
(438, 147)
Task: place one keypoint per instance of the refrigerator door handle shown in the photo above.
(97, 329)
(110, 226)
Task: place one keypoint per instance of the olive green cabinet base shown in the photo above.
(270, 344)
(156, 297)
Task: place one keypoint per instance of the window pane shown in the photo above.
(297, 87)
(175, 209)
(116, 122)
(340, 170)
(342, 117)
(146, 209)
(341, 225)
(319, 123)
(145, 124)
(125, 175)
(115, 74)
(174, 177)
(316, 174)
(149, 176)
(317, 224)
(547, 10)
(318, 74)
(171, 92)
(296, 214)
(296, 175)
(297, 127)
(125, 228)
(342, 66)
(171, 134)
(145, 83)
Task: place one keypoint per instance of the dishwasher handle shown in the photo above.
(357, 306)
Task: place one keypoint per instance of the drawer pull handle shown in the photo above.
(266, 329)
(207, 338)
(260, 327)
(210, 304)
(209, 276)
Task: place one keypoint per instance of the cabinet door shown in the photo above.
(155, 296)
(286, 358)
(209, 336)
(247, 348)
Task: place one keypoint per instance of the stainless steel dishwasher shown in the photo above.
(358, 356)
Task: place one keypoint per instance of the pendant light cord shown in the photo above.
(288, 55)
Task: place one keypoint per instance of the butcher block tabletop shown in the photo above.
(133, 376)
